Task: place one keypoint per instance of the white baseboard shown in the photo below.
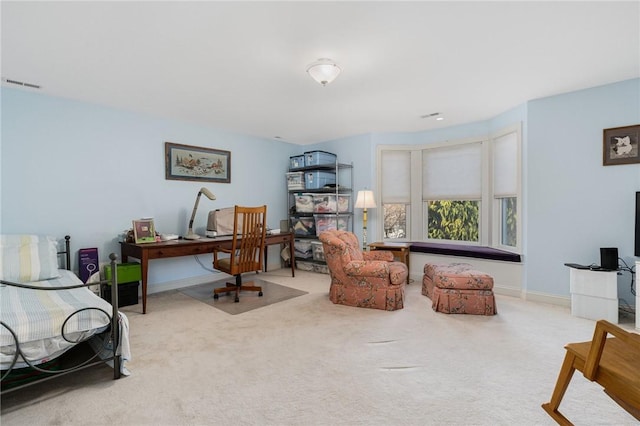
(186, 282)
(551, 299)
(201, 279)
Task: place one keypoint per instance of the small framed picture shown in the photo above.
(620, 145)
(144, 231)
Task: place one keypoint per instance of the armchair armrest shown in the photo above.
(220, 250)
(385, 255)
(364, 268)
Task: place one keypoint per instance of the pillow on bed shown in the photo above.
(26, 258)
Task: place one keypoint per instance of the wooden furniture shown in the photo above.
(400, 251)
(613, 363)
(246, 251)
(177, 248)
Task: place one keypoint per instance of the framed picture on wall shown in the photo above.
(144, 231)
(620, 145)
(186, 162)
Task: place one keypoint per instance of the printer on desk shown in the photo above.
(220, 222)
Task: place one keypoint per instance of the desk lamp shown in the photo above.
(190, 234)
(364, 201)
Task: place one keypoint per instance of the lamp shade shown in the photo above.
(208, 193)
(365, 200)
(323, 70)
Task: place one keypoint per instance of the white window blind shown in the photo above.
(396, 182)
(505, 165)
(452, 172)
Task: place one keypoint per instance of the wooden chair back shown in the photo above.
(612, 362)
(249, 234)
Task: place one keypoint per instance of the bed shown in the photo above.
(45, 311)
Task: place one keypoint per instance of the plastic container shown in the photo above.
(317, 251)
(326, 203)
(304, 202)
(318, 179)
(296, 161)
(295, 180)
(127, 272)
(303, 249)
(329, 222)
(319, 158)
(303, 226)
(127, 293)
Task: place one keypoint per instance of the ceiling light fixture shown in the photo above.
(323, 70)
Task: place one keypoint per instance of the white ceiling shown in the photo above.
(240, 66)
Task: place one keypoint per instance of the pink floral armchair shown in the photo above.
(363, 279)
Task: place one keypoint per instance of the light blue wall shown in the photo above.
(575, 204)
(572, 205)
(356, 150)
(86, 170)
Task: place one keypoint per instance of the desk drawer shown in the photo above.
(179, 251)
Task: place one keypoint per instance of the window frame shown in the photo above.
(490, 220)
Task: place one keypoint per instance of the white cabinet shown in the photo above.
(594, 294)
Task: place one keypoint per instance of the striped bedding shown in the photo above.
(37, 317)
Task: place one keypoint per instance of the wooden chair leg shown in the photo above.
(566, 373)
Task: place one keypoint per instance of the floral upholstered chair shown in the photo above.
(363, 279)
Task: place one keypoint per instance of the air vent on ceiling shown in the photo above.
(21, 83)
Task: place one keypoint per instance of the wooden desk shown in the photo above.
(400, 251)
(177, 248)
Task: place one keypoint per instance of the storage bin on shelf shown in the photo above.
(296, 161)
(319, 158)
(303, 226)
(326, 203)
(317, 179)
(329, 222)
(295, 180)
(312, 267)
(317, 251)
(304, 202)
(303, 249)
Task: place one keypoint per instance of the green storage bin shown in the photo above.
(127, 272)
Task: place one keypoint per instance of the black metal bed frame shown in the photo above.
(113, 332)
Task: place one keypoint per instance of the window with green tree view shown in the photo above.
(460, 191)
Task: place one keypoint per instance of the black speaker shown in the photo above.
(609, 258)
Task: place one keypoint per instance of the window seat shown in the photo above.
(479, 252)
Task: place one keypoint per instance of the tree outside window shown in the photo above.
(453, 220)
(395, 221)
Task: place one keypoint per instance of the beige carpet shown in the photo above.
(306, 361)
(249, 300)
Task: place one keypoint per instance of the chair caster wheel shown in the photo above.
(260, 294)
(215, 296)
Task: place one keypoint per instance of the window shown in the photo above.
(452, 191)
(505, 174)
(465, 191)
(395, 166)
(453, 220)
